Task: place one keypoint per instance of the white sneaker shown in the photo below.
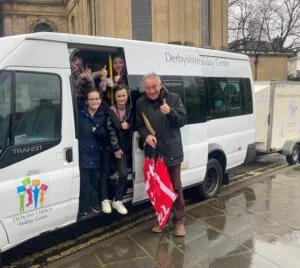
(106, 207)
(118, 205)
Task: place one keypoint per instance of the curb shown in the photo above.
(250, 177)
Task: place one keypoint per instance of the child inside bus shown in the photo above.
(102, 81)
(119, 70)
(83, 80)
(121, 118)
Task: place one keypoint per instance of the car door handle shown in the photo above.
(69, 155)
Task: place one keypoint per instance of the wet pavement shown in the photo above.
(56, 245)
(256, 226)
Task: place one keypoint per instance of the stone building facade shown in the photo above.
(188, 22)
(21, 17)
(269, 66)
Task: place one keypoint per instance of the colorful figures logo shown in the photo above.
(34, 191)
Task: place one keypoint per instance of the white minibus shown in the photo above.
(39, 172)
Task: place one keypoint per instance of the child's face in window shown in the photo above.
(76, 64)
(118, 65)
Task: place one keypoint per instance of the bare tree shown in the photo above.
(241, 24)
(232, 2)
(271, 25)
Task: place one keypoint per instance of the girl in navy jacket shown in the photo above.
(94, 132)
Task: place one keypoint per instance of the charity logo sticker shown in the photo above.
(31, 194)
(293, 107)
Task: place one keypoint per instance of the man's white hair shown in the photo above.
(151, 75)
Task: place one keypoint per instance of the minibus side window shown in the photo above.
(233, 89)
(208, 99)
(219, 104)
(38, 108)
(234, 93)
(176, 87)
(136, 87)
(195, 99)
(246, 96)
(229, 97)
(5, 109)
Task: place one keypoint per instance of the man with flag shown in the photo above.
(160, 115)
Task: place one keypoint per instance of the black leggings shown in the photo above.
(106, 158)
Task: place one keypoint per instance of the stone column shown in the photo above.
(20, 26)
(122, 18)
(219, 23)
(8, 30)
(107, 18)
(175, 21)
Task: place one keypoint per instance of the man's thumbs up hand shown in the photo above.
(165, 108)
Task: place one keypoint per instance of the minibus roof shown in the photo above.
(13, 41)
(50, 50)
(10, 43)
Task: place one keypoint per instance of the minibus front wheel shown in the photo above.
(213, 179)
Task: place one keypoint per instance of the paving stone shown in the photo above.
(255, 226)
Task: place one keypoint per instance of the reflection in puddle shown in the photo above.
(256, 226)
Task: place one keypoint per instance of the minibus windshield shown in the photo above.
(5, 108)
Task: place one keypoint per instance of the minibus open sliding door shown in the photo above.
(135, 81)
(139, 193)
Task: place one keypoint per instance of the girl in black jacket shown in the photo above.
(121, 118)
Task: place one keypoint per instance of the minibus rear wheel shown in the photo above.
(213, 179)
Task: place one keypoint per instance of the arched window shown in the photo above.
(42, 27)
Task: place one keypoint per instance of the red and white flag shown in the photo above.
(159, 188)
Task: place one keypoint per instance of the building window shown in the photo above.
(141, 20)
(42, 27)
(205, 22)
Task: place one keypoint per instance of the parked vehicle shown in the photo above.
(278, 118)
(39, 172)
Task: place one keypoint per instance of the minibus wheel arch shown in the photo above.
(220, 156)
